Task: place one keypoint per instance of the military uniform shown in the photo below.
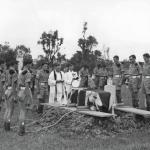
(100, 77)
(42, 87)
(83, 78)
(146, 83)
(134, 83)
(117, 80)
(24, 95)
(10, 96)
(2, 84)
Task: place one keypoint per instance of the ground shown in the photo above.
(62, 140)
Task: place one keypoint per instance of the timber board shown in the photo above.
(86, 112)
(96, 113)
(134, 111)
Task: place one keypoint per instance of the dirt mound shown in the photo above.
(73, 123)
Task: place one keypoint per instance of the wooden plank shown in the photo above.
(96, 113)
(86, 112)
(52, 104)
(134, 110)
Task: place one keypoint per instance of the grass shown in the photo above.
(65, 140)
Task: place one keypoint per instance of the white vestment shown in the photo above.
(69, 76)
(56, 89)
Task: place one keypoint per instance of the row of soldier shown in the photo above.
(57, 84)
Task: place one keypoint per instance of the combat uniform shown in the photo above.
(10, 96)
(24, 95)
(100, 77)
(83, 78)
(117, 80)
(42, 87)
(134, 83)
(146, 83)
(2, 85)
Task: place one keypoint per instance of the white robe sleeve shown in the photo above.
(51, 80)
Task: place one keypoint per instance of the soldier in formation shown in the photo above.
(100, 76)
(24, 93)
(134, 78)
(117, 77)
(11, 79)
(146, 79)
(42, 86)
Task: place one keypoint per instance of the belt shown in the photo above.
(9, 87)
(117, 76)
(134, 77)
(43, 83)
(22, 87)
(147, 77)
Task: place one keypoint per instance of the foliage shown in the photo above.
(51, 45)
(7, 54)
(22, 49)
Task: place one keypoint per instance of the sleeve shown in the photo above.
(38, 75)
(51, 80)
(3, 78)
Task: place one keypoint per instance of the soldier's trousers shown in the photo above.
(148, 101)
(42, 96)
(134, 84)
(118, 96)
(24, 96)
(9, 105)
(135, 99)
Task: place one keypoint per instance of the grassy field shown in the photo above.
(52, 140)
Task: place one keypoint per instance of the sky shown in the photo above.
(122, 25)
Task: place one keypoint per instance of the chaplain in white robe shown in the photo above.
(56, 83)
(70, 77)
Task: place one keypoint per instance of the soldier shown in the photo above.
(146, 79)
(10, 93)
(101, 75)
(117, 77)
(84, 73)
(42, 85)
(24, 93)
(134, 80)
(2, 81)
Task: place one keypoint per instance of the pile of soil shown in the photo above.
(73, 123)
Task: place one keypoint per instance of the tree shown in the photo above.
(86, 44)
(51, 44)
(61, 58)
(7, 54)
(22, 50)
(86, 55)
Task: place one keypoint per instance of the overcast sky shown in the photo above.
(123, 25)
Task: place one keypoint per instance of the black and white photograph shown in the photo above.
(74, 74)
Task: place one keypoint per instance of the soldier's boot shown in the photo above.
(7, 125)
(21, 130)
